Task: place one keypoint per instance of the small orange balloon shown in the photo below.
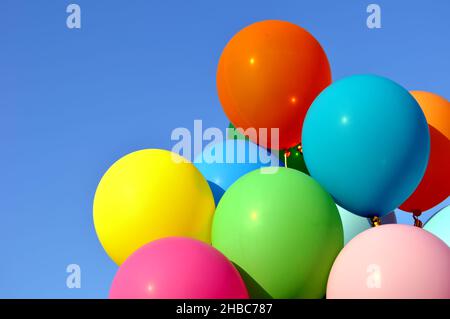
(434, 187)
(268, 75)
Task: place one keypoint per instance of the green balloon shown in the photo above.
(295, 159)
(281, 230)
(234, 134)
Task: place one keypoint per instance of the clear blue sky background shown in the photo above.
(74, 101)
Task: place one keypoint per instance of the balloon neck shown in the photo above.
(375, 221)
(417, 221)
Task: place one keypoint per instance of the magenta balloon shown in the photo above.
(177, 268)
(391, 261)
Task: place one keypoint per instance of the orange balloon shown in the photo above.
(268, 75)
(434, 187)
(436, 109)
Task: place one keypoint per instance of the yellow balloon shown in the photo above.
(147, 195)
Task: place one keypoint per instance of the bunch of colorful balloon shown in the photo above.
(354, 150)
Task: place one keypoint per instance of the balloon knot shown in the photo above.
(417, 212)
(417, 221)
(375, 221)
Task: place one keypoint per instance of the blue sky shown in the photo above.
(74, 101)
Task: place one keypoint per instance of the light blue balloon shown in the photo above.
(439, 225)
(354, 224)
(223, 163)
(365, 140)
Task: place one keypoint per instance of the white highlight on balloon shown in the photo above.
(374, 278)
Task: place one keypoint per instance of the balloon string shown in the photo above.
(285, 158)
(286, 155)
(417, 221)
(375, 221)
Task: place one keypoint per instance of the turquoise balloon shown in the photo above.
(365, 140)
(354, 224)
(439, 225)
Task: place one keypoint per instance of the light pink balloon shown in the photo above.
(177, 268)
(391, 261)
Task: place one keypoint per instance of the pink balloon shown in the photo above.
(391, 261)
(177, 268)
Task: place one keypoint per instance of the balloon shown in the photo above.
(223, 163)
(411, 264)
(439, 225)
(390, 218)
(147, 195)
(366, 141)
(281, 230)
(436, 109)
(294, 154)
(177, 268)
(354, 224)
(434, 187)
(235, 134)
(267, 77)
(295, 159)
